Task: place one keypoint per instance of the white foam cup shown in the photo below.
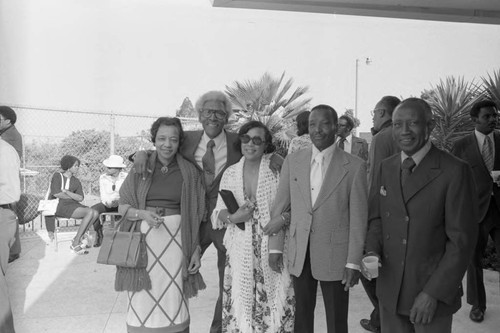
(371, 264)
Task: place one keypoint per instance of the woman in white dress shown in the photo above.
(255, 298)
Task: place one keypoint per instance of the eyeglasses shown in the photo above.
(219, 114)
(257, 140)
(372, 112)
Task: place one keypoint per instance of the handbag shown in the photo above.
(231, 204)
(49, 207)
(124, 248)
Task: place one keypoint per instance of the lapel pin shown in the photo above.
(383, 192)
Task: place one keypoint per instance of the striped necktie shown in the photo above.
(208, 162)
(487, 153)
(406, 169)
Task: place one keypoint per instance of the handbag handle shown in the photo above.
(124, 217)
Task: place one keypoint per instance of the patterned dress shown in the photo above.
(255, 298)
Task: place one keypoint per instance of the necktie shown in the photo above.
(316, 177)
(487, 153)
(341, 143)
(406, 169)
(208, 161)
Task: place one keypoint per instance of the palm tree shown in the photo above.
(265, 100)
(451, 101)
(492, 87)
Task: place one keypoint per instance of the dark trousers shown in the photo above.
(208, 236)
(396, 323)
(490, 226)
(101, 208)
(335, 298)
(370, 289)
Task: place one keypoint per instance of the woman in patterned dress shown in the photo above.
(170, 204)
(255, 298)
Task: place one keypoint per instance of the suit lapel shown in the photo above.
(424, 173)
(334, 174)
(355, 146)
(302, 174)
(393, 181)
(190, 145)
(496, 165)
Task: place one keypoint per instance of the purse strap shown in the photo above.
(124, 219)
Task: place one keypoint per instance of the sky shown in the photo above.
(146, 56)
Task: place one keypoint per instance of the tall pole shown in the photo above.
(112, 135)
(356, 91)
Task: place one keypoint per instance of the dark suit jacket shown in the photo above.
(12, 136)
(359, 148)
(468, 150)
(382, 146)
(424, 236)
(188, 148)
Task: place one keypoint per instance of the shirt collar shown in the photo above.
(347, 138)
(480, 136)
(218, 140)
(326, 152)
(419, 155)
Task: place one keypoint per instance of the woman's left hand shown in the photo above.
(195, 263)
(274, 226)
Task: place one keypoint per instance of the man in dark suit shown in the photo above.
(382, 146)
(420, 227)
(481, 149)
(348, 142)
(327, 192)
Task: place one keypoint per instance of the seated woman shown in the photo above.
(169, 205)
(109, 187)
(255, 299)
(65, 186)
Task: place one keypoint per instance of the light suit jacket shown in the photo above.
(335, 228)
(359, 147)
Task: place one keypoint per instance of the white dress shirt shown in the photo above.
(220, 151)
(419, 155)
(10, 183)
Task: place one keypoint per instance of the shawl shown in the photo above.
(239, 247)
(133, 193)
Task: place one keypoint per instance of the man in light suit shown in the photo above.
(421, 209)
(326, 190)
(474, 150)
(348, 142)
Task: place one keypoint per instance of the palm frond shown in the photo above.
(492, 85)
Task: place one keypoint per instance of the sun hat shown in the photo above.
(114, 161)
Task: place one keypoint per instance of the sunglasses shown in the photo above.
(257, 140)
(372, 112)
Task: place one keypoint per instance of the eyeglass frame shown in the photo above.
(219, 114)
(372, 112)
(256, 140)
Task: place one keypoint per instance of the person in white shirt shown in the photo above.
(10, 192)
(109, 188)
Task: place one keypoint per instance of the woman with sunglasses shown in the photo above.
(255, 299)
(109, 189)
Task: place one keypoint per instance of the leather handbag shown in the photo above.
(49, 207)
(125, 248)
(231, 204)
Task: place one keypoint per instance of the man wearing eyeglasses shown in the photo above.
(213, 150)
(383, 145)
(348, 142)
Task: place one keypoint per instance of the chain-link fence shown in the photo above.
(49, 134)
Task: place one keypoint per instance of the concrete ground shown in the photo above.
(59, 292)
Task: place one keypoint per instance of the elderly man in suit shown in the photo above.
(481, 149)
(326, 189)
(421, 210)
(348, 142)
(382, 146)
